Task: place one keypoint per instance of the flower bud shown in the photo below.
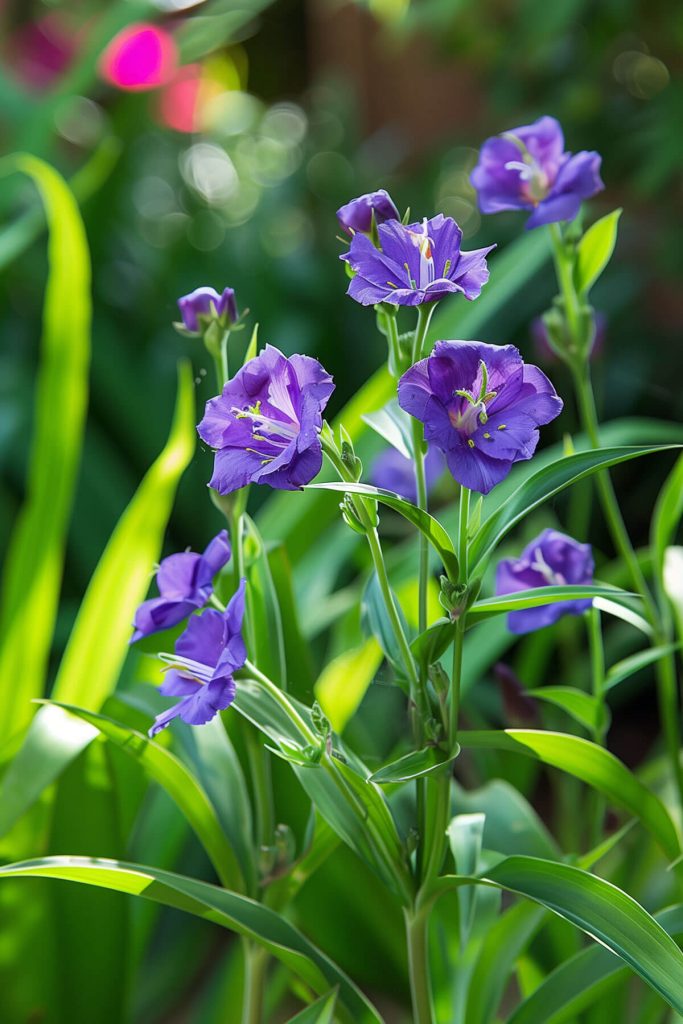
(372, 208)
(204, 307)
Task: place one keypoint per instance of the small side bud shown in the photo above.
(319, 721)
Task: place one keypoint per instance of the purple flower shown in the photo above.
(546, 353)
(185, 583)
(415, 264)
(527, 169)
(265, 426)
(357, 215)
(481, 405)
(552, 560)
(204, 305)
(206, 655)
(394, 472)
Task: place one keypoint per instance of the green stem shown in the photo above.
(418, 965)
(424, 315)
(423, 568)
(597, 655)
(280, 697)
(669, 703)
(463, 523)
(380, 568)
(565, 279)
(255, 966)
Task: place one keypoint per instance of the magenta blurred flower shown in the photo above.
(139, 58)
(42, 50)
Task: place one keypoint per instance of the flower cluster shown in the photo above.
(527, 169)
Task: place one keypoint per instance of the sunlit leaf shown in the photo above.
(593, 765)
(415, 765)
(344, 681)
(228, 909)
(595, 250)
(543, 485)
(35, 555)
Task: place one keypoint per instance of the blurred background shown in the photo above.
(210, 143)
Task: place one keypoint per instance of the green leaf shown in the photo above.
(320, 1012)
(428, 525)
(415, 765)
(264, 611)
(353, 807)
(503, 944)
(583, 707)
(593, 765)
(544, 484)
(623, 612)
(429, 646)
(605, 913)
(576, 984)
(227, 909)
(53, 740)
(376, 623)
(538, 596)
(392, 424)
(465, 833)
(216, 766)
(635, 662)
(511, 823)
(35, 556)
(180, 784)
(98, 644)
(344, 682)
(594, 251)
(667, 515)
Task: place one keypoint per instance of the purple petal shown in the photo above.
(357, 214)
(158, 613)
(234, 653)
(177, 575)
(580, 175)
(554, 209)
(208, 701)
(175, 684)
(313, 377)
(204, 638)
(472, 272)
(475, 470)
(216, 555)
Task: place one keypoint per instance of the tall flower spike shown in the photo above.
(185, 583)
(206, 655)
(552, 559)
(415, 264)
(357, 215)
(265, 426)
(527, 169)
(481, 405)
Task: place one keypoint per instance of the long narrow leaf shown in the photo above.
(228, 909)
(544, 485)
(593, 765)
(33, 573)
(166, 769)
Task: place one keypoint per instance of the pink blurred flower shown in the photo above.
(139, 58)
(179, 100)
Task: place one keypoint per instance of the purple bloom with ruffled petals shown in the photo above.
(415, 264)
(265, 426)
(481, 405)
(206, 655)
(527, 169)
(357, 215)
(185, 583)
(394, 472)
(551, 560)
(203, 305)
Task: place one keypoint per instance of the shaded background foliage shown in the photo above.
(302, 106)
